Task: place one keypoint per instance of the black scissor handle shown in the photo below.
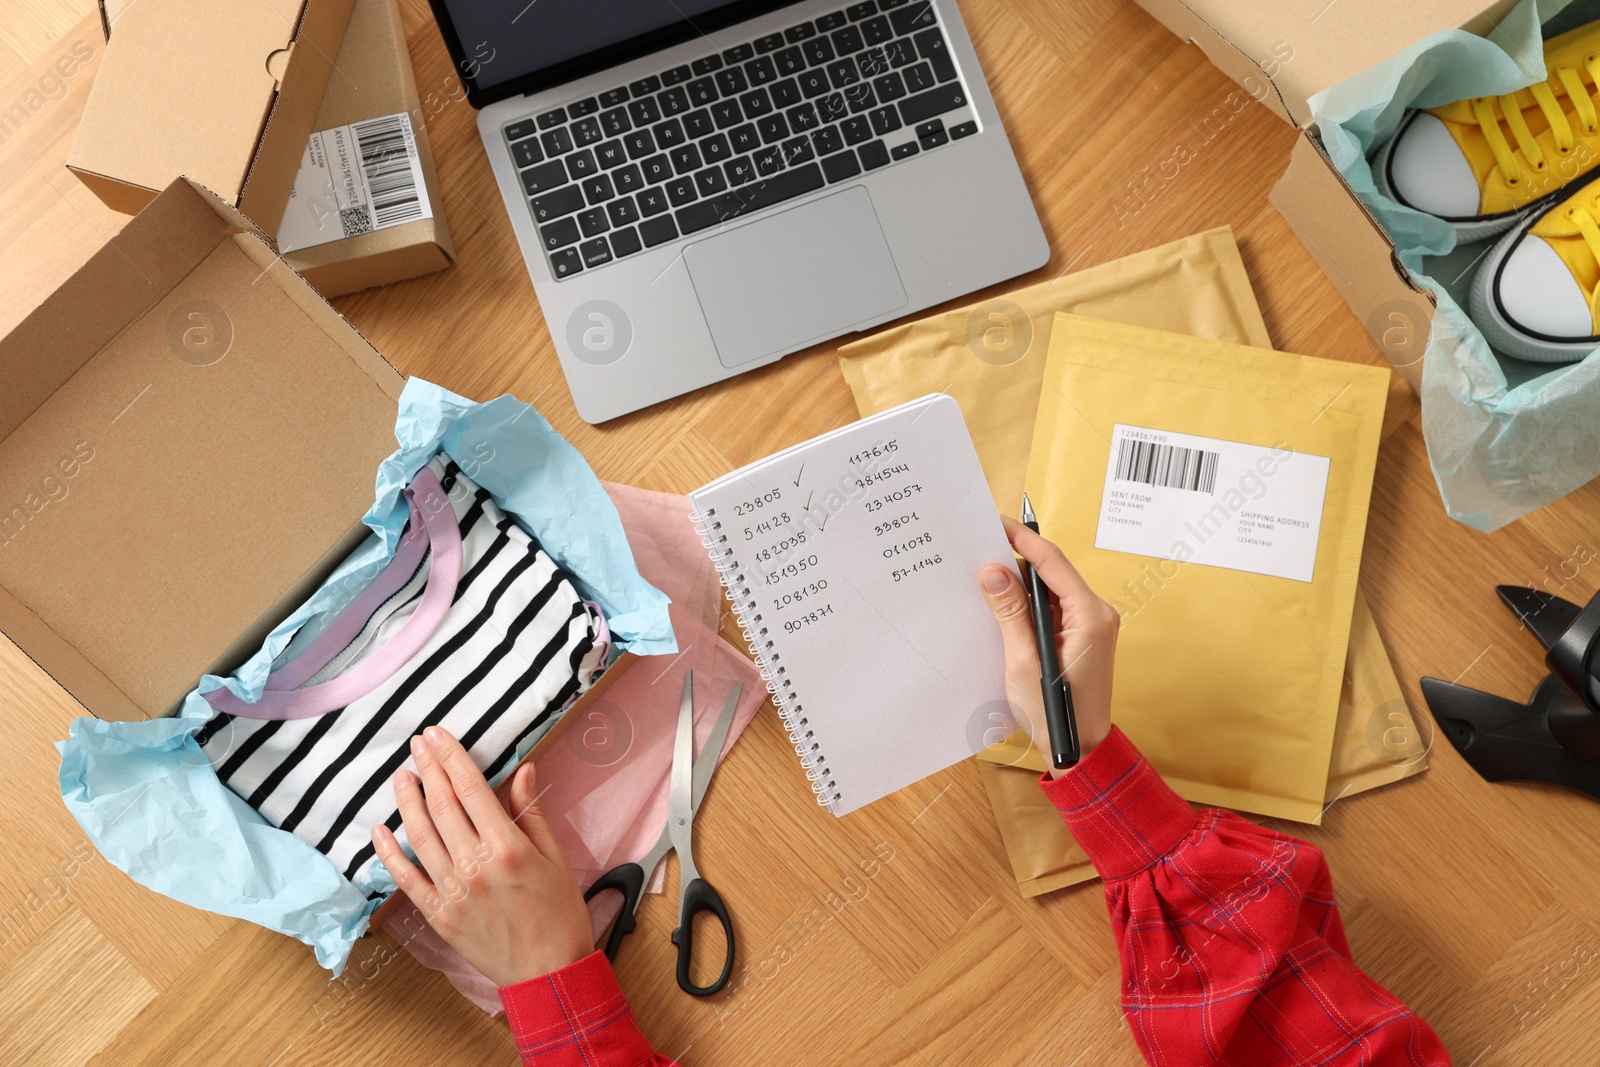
(698, 896)
(627, 879)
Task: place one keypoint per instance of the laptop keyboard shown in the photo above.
(738, 131)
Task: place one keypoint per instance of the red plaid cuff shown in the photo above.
(1118, 808)
(574, 1016)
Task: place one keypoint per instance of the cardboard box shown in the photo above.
(187, 446)
(1283, 54)
(226, 94)
(188, 441)
(126, 148)
(373, 78)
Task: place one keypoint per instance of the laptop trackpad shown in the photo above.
(802, 275)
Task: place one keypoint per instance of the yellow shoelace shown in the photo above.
(1583, 217)
(1489, 115)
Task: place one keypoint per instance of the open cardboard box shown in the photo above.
(230, 98)
(1284, 54)
(188, 442)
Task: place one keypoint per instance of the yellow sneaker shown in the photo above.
(1479, 163)
(1534, 296)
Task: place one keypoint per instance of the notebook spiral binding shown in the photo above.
(748, 613)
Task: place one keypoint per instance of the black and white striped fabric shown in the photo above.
(517, 645)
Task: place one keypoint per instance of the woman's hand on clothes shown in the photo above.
(1086, 639)
(494, 882)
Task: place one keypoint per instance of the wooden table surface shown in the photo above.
(895, 936)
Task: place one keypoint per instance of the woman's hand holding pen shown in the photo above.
(1086, 638)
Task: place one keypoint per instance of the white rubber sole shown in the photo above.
(1473, 230)
(1501, 332)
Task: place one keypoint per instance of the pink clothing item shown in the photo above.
(432, 515)
(605, 782)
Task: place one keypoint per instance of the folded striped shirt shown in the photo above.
(516, 646)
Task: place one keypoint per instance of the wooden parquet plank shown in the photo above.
(988, 996)
(104, 992)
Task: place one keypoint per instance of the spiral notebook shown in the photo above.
(852, 562)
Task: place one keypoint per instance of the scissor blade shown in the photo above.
(680, 807)
(705, 765)
(680, 796)
(658, 852)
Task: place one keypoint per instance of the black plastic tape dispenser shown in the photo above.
(1555, 736)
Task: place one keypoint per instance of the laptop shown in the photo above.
(702, 188)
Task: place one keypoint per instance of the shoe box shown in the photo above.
(305, 116)
(1283, 55)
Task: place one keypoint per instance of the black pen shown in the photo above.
(1058, 717)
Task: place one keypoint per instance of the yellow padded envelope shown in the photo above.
(1195, 285)
(1228, 680)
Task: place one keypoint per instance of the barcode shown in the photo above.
(354, 221)
(1170, 466)
(386, 164)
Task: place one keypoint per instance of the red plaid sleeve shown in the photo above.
(1232, 948)
(577, 1017)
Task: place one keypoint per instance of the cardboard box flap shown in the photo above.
(302, 74)
(118, 283)
(194, 432)
(1356, 254)
(1301, 49)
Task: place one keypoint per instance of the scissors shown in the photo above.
(690, 777)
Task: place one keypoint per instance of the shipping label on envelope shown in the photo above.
(1192, 499)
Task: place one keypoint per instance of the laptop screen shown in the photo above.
(503, 47)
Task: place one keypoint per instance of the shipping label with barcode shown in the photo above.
(355, 179)
(1219, 503)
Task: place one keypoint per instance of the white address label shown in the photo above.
(355, 179)
(1220, 503)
